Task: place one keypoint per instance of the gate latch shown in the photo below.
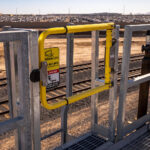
(40, 74)
(48, 73)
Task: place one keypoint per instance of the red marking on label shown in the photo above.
(53, 71)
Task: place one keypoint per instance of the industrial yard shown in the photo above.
(51, 20)
(77, 18)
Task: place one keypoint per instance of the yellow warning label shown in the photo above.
(52, 58)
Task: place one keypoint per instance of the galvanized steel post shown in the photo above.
(8, 72)
(69, 83)
(94, 76)
(114, 76)
(124, 82)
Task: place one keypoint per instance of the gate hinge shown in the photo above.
(112, 53)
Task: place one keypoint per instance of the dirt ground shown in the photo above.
(82, 48)
(79, 121)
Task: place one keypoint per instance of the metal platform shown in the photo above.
(86, 142)
(141, 143)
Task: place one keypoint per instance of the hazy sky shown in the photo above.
(73, 6)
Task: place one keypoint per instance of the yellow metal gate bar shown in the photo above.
(74, 29)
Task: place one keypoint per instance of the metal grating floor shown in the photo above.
(141, 143)
(89, 143)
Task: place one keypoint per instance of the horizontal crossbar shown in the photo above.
(11, 124)
(51, 134)
(139, 80)
(76, 98)
(136, 124)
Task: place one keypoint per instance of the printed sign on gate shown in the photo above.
(52, 59)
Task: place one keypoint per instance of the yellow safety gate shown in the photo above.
(76, 29)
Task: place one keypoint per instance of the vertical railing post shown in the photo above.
(94, 76)
(24, 103)
(14, 46)
(124, 82)
(8, 72)
(34, 89)
(69, 83)
(69, 73)
(113, 89)
(107, 55)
